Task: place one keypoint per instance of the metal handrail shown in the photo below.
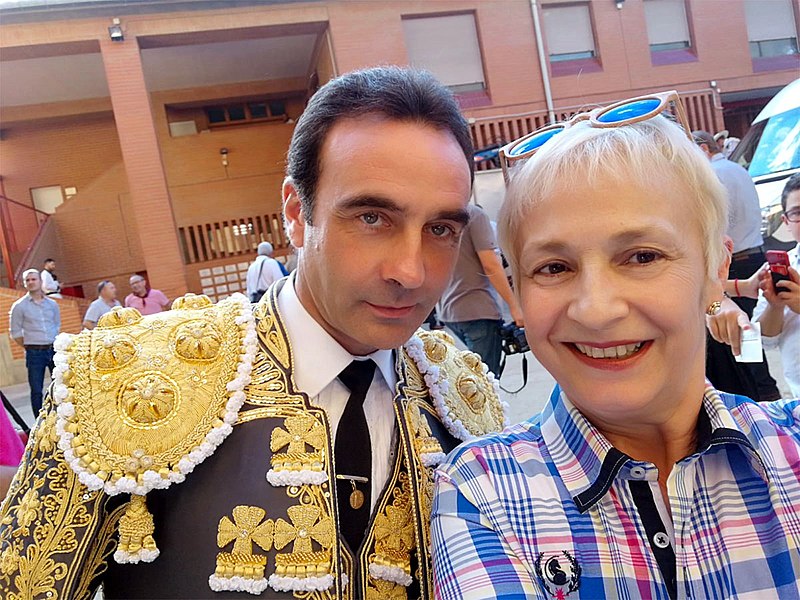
(8, 240)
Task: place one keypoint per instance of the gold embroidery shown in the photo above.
(248, 527)
(301, 430)
(41, 529)
(310, 524)
(148, 399)
(136, 528)
(190, 302)
(119, 317)
(197, 341)
(435, 349)
(385, 590)
(28, 509)
(468, 389)
(394, 530)
(135, 418)
(267, 325)
(46, 437)
(307, 524)
(424, 442)
(114, 352)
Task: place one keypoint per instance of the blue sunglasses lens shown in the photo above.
(534, 142)
(631, 110)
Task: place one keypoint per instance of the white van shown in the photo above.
(770, 151)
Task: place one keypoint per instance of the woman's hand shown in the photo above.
(726, 326)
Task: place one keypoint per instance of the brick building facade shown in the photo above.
(165, 123)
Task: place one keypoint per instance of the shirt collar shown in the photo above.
(587, 462)
(323, 357)
(717, 156)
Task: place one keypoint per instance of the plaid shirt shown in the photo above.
(550, 509)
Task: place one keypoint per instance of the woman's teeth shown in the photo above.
(622, 351)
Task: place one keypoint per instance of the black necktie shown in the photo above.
(353, 454)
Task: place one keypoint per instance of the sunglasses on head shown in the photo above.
(625, 112)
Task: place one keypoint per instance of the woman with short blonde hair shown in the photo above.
(638, 479)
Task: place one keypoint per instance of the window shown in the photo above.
(667, 26)
(569, 32)
(447, 46)
(245, 112)
(770, 28)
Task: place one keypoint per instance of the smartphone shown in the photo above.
(778, 267)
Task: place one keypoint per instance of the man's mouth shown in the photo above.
(609, 352)
(392, 311)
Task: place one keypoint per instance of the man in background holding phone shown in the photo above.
(778, 308)
(744, 228)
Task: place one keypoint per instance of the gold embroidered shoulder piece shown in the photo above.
(143, 400)
(55, 534)
(463, 391)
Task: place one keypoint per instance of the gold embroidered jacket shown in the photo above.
(176, 459)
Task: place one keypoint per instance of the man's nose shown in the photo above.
(404, 262)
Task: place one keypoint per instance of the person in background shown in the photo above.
(50, 284)
(638, 479)
(744, 228)
(34, 323)
(106, 300)
(144, 299)
(778, 308)
(469, 305)
(263, 272)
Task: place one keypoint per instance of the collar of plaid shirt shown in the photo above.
(550, 509)
(588, 475)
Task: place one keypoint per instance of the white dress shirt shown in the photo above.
(788, 340)
(317, 360)
(50, 286)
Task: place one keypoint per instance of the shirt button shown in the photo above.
(661, 539)
(637, 472)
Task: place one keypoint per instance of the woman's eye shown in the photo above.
(643, 257)
(552, 269)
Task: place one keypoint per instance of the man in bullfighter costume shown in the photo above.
(285, 448)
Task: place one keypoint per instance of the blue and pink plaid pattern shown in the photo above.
(549, 509)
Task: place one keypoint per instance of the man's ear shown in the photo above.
(293, 213)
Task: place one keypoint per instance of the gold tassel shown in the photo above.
(136, 530)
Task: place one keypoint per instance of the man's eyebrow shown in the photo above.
(460, 216)
(370, 202)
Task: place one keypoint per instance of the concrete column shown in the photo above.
(141, 155)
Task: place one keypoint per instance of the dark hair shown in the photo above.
(397, 93)
(792, 185)
(703, 137)
(101, 285)
(47, 260)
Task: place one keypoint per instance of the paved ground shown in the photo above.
(523, 404)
